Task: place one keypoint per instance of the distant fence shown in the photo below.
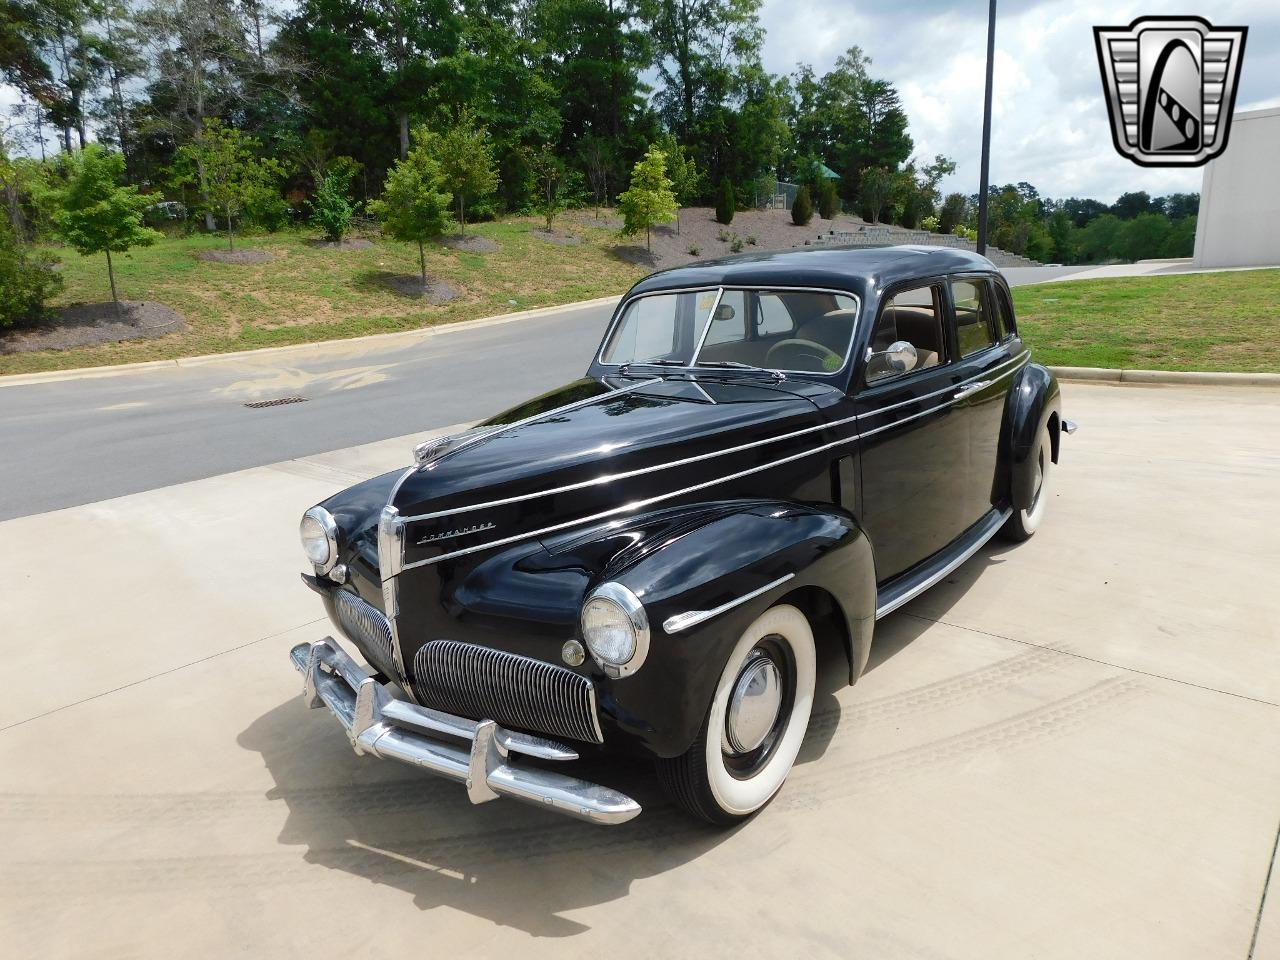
(775, 195)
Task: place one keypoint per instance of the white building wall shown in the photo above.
(1239, 222)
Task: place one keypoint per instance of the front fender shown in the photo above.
(1033, 403)
(708, 557)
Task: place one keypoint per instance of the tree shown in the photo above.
(802, 207)
(649, 199)
(877, 191)
(94, 213)
(221, 162)
(954, 208)
(331, 208)
(828, 199)
(414, 206)
(1130, 205)
(549, 171)
(725, 203)
(27, 280)
(1062, 237)
(465, 156)
(682, 170)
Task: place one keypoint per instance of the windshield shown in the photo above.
(791, 331)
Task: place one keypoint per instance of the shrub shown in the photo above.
(725, 203)
(751, 240)
(27, 280)
(695, 251)
(724, 236)
(265, 208)
(802, 208)
(828, 202)
(331, 210)
(930, 224)
(965, 233)
(735, 245)
(953, 211)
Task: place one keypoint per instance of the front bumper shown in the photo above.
(476, 753)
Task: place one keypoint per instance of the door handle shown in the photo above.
(971, 388)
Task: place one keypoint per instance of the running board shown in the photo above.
(924, 575)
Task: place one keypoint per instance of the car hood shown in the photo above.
(595, 448)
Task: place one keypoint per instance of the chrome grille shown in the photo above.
(516, 691)
(368, 629)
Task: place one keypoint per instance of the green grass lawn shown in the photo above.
(308, 293)
(1204, 321)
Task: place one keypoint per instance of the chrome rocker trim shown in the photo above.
(381, 725)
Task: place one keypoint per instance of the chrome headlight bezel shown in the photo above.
(630, 611)
(329, 528)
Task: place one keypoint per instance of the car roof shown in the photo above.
(857, 269)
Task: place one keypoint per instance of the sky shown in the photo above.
(1049, 120)
(1050, 124)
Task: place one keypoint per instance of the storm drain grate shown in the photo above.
(278, 402)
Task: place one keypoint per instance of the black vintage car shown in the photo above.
(767, 454)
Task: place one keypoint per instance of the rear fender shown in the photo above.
(1033, 402)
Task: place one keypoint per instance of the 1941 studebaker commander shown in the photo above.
(767, 454)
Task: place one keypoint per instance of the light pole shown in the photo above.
(986, 133)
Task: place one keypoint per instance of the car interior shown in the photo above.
(913, 316)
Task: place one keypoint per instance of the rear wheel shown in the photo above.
(755, 725)
(1023, 523)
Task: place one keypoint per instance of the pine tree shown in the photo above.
(802, 207)
(725, 203)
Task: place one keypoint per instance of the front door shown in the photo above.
(913, 438)
(985, 366)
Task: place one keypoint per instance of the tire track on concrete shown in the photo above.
(420, 792)
(660, 828)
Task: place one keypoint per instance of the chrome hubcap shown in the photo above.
(753, 705)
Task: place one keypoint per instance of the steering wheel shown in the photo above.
(802, 355)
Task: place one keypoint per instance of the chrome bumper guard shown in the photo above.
(381, 725)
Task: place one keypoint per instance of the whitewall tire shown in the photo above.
(755, 724)
(1022, 524)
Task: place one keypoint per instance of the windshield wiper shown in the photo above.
(739, 365)
(656, 362)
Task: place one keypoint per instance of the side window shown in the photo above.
(772, 317)
(975, 329)
(729, 325)
(1004, 311)
(914, 316)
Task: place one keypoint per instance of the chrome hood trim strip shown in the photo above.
(650, 501)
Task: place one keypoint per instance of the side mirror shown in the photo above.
(900, 356)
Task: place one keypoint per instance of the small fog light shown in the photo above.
(572, 653)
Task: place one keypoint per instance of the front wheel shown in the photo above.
(754, 727)
(1023, 523)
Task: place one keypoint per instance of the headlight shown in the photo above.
(616, 629)
(319, 535)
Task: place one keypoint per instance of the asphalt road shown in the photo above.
(1068, 749)
(75, 441)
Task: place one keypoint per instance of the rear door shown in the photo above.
(984, 346)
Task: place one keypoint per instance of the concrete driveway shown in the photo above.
(1069, 749)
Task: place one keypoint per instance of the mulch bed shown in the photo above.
(346, 243)
(89, 324)
(557, 237)
(472, 244)
(241, 257)
(410, 285)
(637, 255)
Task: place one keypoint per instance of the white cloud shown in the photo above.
(1049, 119)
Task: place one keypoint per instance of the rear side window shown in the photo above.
(975, 327)
(1004, 311)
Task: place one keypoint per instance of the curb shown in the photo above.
(108, 370)
(1185, 378)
